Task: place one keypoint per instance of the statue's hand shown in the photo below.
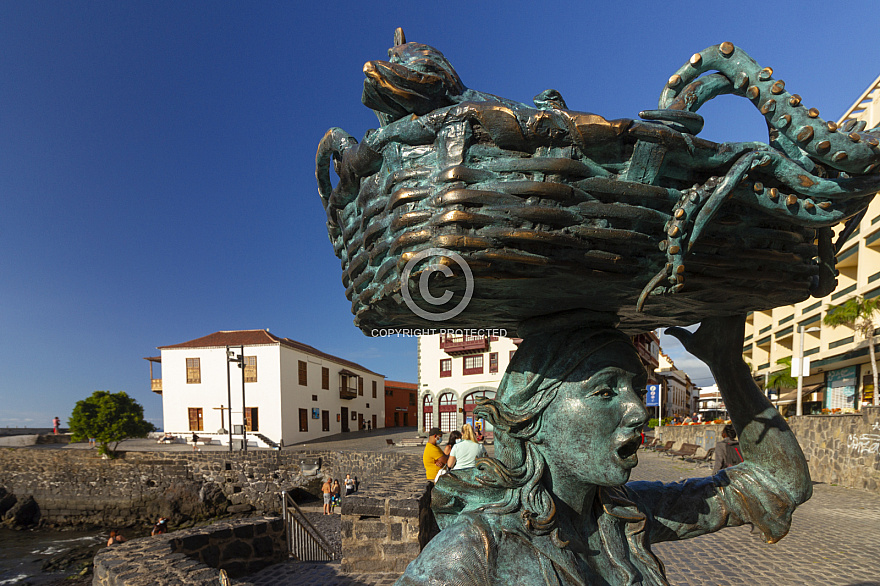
(718, 339)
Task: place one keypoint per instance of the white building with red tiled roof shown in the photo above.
(286, 393)
(679, 394)
(457, 370)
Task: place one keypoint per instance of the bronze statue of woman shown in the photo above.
(544, 207)
(554, 506)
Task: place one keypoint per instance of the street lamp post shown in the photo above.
(799, 401)
(243, 408)
(229, 394)
(230, 357)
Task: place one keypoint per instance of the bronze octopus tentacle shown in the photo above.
(447, 161)
(850, 149)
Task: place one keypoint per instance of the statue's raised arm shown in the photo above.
(764, 437)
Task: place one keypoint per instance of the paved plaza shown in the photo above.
(834, 540)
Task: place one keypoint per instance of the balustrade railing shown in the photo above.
(304, 541)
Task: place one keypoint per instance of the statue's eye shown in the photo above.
(605, 392)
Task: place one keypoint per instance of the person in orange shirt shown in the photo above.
(433, 457)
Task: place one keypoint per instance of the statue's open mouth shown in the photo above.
(630, 448)
(398, 91)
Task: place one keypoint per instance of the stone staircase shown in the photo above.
(269, 443)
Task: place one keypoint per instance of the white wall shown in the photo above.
(276, 394)
(430, 381)
(178, 395)
(295, 397)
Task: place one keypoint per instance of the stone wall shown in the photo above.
(840, 449)
(33, 439)
(380, 531)
(704, 435)
(195, 556)
(80, 488)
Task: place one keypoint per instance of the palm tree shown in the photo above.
(782, 379)
(857, 313)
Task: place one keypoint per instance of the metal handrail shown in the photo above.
(304, 541)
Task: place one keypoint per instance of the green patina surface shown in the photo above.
(574, 231)
(554, 209)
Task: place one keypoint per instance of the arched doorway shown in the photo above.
(428, 412)
(470, 401)
(447, 412)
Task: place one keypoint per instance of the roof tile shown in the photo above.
(256, 338)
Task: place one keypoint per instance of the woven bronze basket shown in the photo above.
(554, 210)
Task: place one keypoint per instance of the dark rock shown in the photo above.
(302, 494)
(77, 558)
(212, 496)
(23, 513)
(312, 486)
(6, 502)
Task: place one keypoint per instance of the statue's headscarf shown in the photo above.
(552, 349)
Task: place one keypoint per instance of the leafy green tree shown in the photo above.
(109, 418)
(782, 379)
(857, 313)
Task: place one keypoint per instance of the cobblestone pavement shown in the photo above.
(834, 541)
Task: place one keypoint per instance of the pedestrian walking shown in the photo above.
(56, 423)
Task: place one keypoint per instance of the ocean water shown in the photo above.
(23, 552)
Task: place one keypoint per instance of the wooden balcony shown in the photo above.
(347, 393)
(455, 345)
(156, 385)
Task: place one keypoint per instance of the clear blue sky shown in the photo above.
(157, 158)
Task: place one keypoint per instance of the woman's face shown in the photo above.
(592, 429)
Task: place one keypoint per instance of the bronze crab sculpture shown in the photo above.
(554, 209)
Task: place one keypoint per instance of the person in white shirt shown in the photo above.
(465, 452)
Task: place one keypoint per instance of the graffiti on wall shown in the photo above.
(866, 443)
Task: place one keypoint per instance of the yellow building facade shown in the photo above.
(839, 371)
